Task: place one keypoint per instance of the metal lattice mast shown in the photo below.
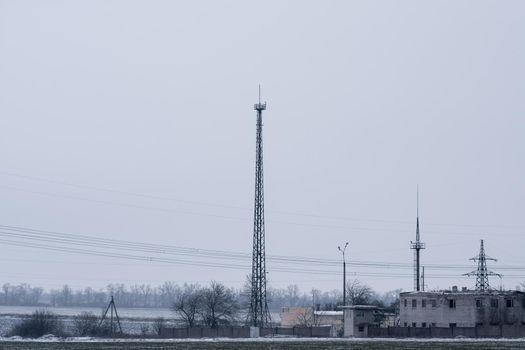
(417, 246)
(482, 273)
(259, 314)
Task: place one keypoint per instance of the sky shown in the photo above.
(134, 121)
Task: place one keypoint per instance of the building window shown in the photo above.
(493, 302)
(414, 303)
(510, 303)
(424, 324)
(361, 328)
(479, 324)
(406, 324)
(405, 303)
(452, 325)
(414, 324)
(433, 324)
(424, 303)
(452, 303)
(479, 303)
(433, 302)
(360, 314)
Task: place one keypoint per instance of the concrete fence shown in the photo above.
(246, 332)
(501, 331)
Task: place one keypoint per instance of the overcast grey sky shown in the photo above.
(366, 100)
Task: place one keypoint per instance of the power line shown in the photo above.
(226, 206)
(185, 212)
(69, 243)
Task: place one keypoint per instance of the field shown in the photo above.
(269, 345)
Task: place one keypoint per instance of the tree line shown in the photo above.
(168, 294)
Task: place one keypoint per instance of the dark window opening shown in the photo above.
(413, 324)
(406, 324)
(405, 303)
(433, 302)
(494, 302)
(479, 303)
(361, 328)
(452, 303)
(424, 303)
(452, 325)
(414, 303)
(510, 303)
(424, 324)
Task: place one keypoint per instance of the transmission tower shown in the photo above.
(259, 315)
(482, 273)
(417, 246)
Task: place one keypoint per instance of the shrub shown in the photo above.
(158, 325)
(85, 324)
(40, 323)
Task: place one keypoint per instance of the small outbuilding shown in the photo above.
(358, 318)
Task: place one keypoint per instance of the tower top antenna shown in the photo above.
(260, 106)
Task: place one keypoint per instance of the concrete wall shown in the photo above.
(310, 332)
(244, 332)
(503, 331)
(205, 332)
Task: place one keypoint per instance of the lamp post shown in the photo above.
(342, 250)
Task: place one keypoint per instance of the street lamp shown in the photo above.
(344, 271)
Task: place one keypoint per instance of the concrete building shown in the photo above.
(358, 318)
(461, 308)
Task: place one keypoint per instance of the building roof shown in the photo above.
(328, 313)
(359, 307)
(462, 292)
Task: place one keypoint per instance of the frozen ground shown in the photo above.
(53, 343)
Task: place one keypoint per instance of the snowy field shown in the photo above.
(51, 343)
(133, 320)
(141, 313)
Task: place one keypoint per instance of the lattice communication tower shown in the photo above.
(259, 315)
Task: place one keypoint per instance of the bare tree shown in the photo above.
(358, 293)
(305, 317)
(219, 305)
(188, 304)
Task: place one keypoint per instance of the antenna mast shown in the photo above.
(417, 246)
(259, 315)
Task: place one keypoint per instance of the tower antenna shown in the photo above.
(482, 273)
(259, 315)
(417, 246)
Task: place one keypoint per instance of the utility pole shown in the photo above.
(259, 315)
(342, 250)
(417, 246)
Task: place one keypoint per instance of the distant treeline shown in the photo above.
(165, 295)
